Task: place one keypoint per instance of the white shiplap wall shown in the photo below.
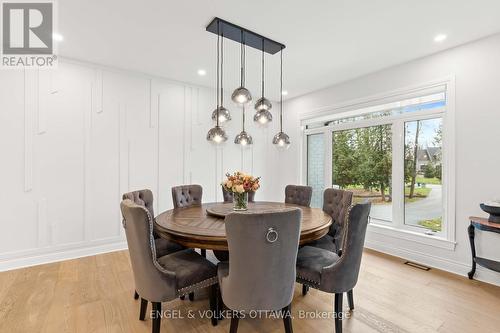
(74, 139)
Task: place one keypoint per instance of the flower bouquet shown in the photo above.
(239, 184)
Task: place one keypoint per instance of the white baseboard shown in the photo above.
(14, 260)
(482, 274)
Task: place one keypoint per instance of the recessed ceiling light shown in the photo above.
(202, 72)
(57, 37)
(284, 92)
(440, 38)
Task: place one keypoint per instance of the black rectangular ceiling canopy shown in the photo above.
(235, 32)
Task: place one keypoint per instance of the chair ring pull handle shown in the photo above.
(272, 235)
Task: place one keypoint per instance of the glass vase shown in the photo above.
(240, 201)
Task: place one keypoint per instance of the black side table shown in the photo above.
(481, 223)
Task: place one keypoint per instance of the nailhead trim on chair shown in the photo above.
(151, 240)
(307, 282)
(346, 226)
(197, 286)
(344, 236)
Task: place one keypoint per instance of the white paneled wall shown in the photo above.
(74, 139)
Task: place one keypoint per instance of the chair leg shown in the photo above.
(287, 318)
(338, 312)
(136, 295)
(234, 324)
(191, 296)
(156, 317)
(144, 307)
(220, 303)
(305, 290)
(203, 253)
(350, 299)
(214, 308)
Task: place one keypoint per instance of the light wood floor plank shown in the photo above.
(95, 294)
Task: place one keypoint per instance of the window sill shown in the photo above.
(412, 236)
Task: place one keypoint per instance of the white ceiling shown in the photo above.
(328, 41)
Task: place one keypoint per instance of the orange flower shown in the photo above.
(241, 182)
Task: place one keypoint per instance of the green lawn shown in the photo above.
(418, 194)
(354, 187)
(419, 191)
(434, 224)
(423, 180)
(361, 194)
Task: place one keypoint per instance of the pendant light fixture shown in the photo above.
(281, 140)
(217, 135)
(263, 105)
(221, 112)
(242, 95)
(243, 138)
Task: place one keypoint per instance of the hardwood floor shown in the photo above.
(95, 294)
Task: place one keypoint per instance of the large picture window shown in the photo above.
(391, 154)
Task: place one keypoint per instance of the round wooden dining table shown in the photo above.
(203, 227)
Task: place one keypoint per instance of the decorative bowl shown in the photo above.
(493, 211)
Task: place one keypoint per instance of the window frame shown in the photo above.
(444, 239)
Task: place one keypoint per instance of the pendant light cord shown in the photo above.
(243, 118)
(222, 70)
(217, 92)
(262, 68)
(242, 60)
(281, 90)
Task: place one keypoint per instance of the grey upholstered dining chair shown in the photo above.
(163, 246)
(298, 195)
(184, 196)
(162, 279)
(336, 203)
(228, 196)
(337, 273)
(260, 274)
(187, 195)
